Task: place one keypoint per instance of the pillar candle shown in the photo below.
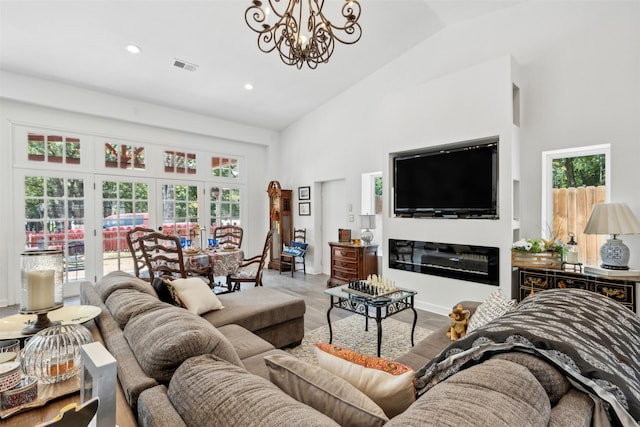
(40, 289)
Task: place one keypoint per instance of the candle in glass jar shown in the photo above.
(40, 289)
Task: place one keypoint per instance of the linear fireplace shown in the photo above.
(464, 262)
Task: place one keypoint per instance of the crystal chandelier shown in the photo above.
(295, 43)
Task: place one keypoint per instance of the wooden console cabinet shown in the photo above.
(621, 289)
(351, 262)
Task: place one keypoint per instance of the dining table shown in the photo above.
(214, 262)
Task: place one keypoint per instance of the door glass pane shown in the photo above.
(54, 219)
(224, 207)
(124, 206)
(180, 213)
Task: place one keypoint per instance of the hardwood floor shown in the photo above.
(310, 287)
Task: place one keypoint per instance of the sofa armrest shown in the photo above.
(155, 409)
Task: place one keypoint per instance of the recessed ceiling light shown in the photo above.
(132, 48)
(248, 86)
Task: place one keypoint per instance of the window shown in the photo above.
(180, 214)
(53, 149)
(225, 206)
(576, 180)
(125, 205)
(178, 162)
(224, 167)
(124, 156)
(54, 218)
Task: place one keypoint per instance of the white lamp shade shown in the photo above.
(612, 218)
(368, 222)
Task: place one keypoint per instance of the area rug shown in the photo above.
(350, 333)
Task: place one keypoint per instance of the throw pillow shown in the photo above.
(320, 389)
(162, 287)
(389, 384)
(195, 295)
(494, 306)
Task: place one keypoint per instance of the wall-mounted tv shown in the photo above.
(453, 181)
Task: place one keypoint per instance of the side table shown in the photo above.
(11, 326)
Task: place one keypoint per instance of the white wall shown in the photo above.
(579, 80)
(62, 107)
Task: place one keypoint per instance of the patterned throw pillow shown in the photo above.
(494, 306)
(389, 384)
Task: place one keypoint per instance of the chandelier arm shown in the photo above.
(285, 35)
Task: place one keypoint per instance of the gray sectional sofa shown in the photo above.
(180, 369)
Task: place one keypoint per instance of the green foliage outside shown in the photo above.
(580, 171)
(378, 190)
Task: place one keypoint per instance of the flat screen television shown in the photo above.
(458, 181)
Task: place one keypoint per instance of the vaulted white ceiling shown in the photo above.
(82, 42)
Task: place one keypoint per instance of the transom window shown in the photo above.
(53, 148)
(180, 162)
(224, 167)
(123, 156)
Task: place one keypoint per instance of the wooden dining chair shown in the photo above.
(139, 263)
(250, 271)
(228, 234)
(163, 255)
(293, 254)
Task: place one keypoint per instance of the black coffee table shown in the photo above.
(378, 308)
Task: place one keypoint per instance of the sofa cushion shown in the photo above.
(163, 339)
(124, 303)
(120, 280)
(324, 391)
(389, 384)
(208, 391)
(195, 295)
(155, 409)
(256, 308)
(552, 380)
(574, 409)
(244, 342)
(495, 393)
(494, 306)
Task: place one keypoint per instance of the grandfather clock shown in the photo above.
(280, 220)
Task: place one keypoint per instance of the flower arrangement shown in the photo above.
(536, 246)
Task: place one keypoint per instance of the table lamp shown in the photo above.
(613, 219)
(368, 223)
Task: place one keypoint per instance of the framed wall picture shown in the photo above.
(344, 235)
(304, 193)
(304, 208)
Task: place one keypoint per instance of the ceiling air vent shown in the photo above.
(185, 65)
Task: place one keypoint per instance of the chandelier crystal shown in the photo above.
(302, 35)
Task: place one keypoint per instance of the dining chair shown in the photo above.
(251, 269)
(139, 263)
(228, 234)
(163, 255)
(293, 254)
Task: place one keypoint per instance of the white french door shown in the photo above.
(122, 203)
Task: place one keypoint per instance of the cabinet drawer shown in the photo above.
(344, 274)
(571, 282)
(347, 253)
(344, 264)
(617, 292)
(536, 281)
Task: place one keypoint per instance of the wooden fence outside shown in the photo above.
(571, 211)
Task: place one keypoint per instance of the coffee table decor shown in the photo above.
(374, 286)
(41, 290)
(54, 354)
